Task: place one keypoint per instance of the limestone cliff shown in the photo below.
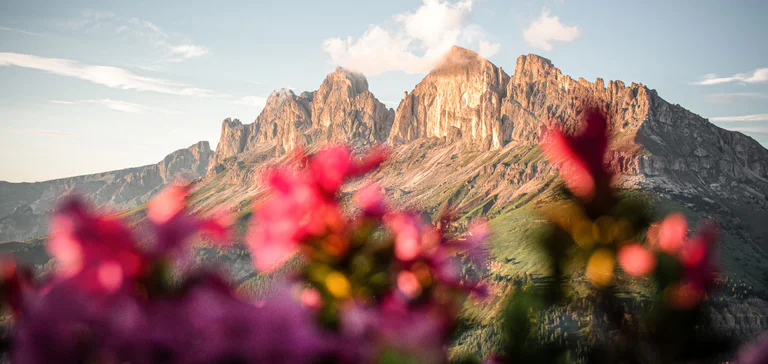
(341, 110)
(459, 100)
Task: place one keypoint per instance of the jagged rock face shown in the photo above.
(469, 99)
(232, 139)
(24, 207)
(345, 108)
(460, 100)
(285, 120)
(341, 110)
(540, 95)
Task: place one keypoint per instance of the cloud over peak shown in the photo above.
(417, 42)
(547, 29)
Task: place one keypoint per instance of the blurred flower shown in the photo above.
(636, 260)
(407, 230)
(581, 157)
(408, 284)
(305, 206)
(371, 200)
(78, 244)
(168, 204)
(175, 223)
(311, 298)
(672, 233)
(600, 268)
(754, 353)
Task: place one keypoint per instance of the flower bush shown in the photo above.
(372, 285)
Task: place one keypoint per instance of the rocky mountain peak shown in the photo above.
(459, 100)
(345, 79)
(531, 67)
(341, 110)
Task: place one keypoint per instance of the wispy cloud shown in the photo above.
(431, 30)
(113, 77)
(547, 29)
(175, 47)
(187, 51)
(256, 101)
(122, 106)
(44, 132)
(21, 31)
(759, 75)
(727, 98)
(741, 118)
(751, 129)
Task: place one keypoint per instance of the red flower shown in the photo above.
(581, 157)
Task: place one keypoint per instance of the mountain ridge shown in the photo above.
(24, 206)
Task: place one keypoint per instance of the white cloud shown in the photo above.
(488, 49)
(44, 132)
(759, 75)
(416, 44)
(727, 98)
(547, 29)
(187, 51)
(754, 129)
(175, 47)
(741, 118)
(122, 106)
(113, 77)
(256, 101)
(15, 30)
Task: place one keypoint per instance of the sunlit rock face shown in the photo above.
(342, 110)
(460, 100)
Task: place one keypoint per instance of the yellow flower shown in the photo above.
(600, 268)
(337, 284)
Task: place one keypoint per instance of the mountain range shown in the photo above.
(465, 136)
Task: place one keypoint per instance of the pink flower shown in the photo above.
(408, 284)
(672, 233)
(330, 167)
(636, 260)
(581, 157)
(407, 231)
(696, 256)
(175, 224)
(371, 200)
(168, 204)
(99, 251)
(299, 210)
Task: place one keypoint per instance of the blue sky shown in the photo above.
(91, 86)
